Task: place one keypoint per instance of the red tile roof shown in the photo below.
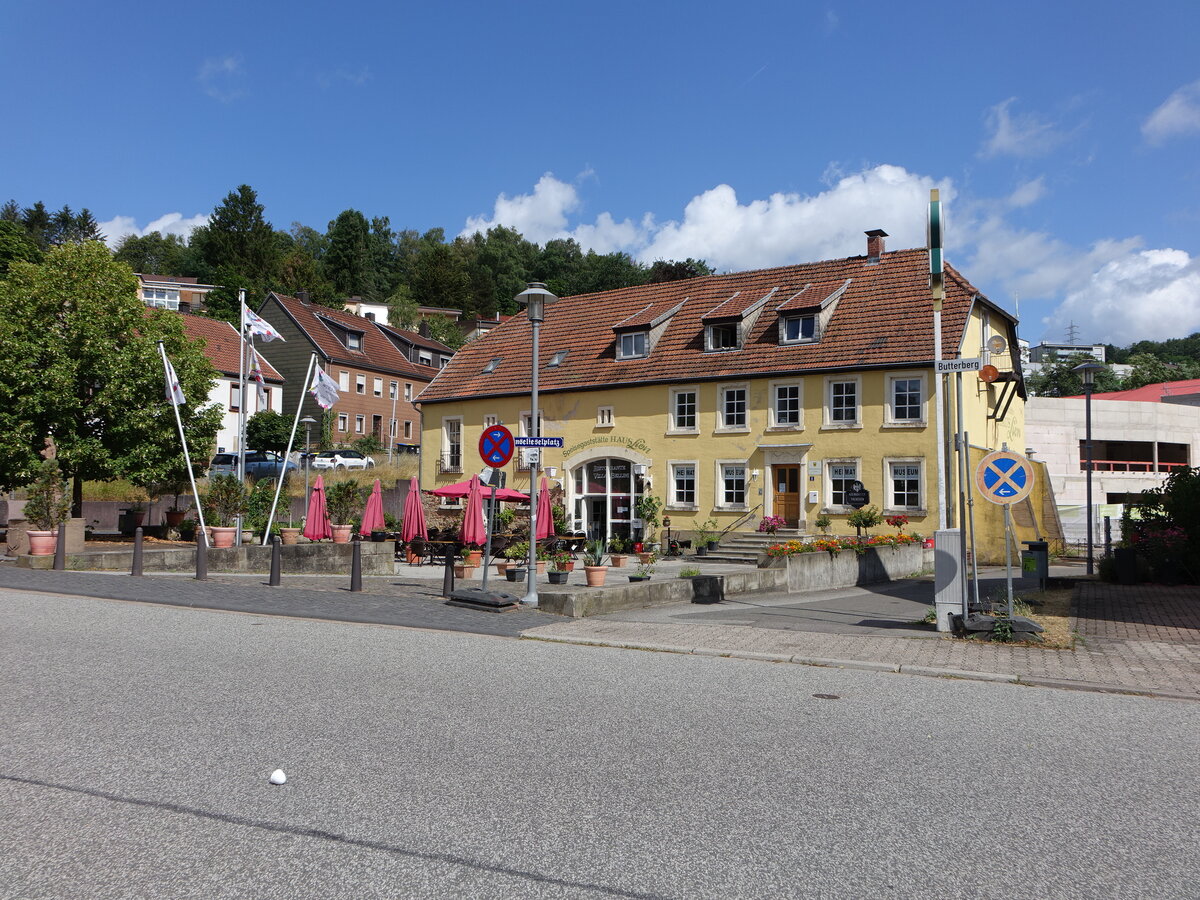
(1151, 393)
(648, 317)
(221, 345)
(885, 318)
(812, 296)
(378, 352)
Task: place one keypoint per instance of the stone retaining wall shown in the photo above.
(822, 570)
(297, 559)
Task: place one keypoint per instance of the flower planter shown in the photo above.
(712, 545)
(474, 557)
(618, 560)
(558, 577)
(378, 537)
(515, 573)
(462, 571)
(595, 575)
(636, 578)
(247, 536)
(222, 537)
(341, 533)
(502, 567)
(645, 558)
(42, 543)
(174, 517)
(702, 551)
(289, 536)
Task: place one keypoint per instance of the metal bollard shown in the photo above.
(448, 575)
(137, 551)
(201, 556)
(356, 567)
(275, 554)
(60, 548)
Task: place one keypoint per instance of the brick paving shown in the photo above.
(1143, 639)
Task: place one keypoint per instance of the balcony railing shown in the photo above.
(449, 462)
(1130, 465)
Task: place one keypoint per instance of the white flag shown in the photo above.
(257, 376)
(324, 389)
(256, 325)
(174, 391)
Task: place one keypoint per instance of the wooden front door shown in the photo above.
(785, 483)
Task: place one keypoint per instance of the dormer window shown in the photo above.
(797, 329)
(426, 359)
(353, 340)
(722, 337)
(631, 345)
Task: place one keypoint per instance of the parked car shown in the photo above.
(259, 464)
(342, 459)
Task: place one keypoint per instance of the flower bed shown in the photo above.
(834, 544)
(884, 558)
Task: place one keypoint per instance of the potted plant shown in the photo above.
(342, 500)
(289, 534)
(616, 548)
(474, 555)
(864, 519)
(823, 522)
(705, 532)
(224, 501)
(464, 568)
(646, 569)
(48, 508)
(593, 563)
(561, 565)
(771, 524)
(648, 508)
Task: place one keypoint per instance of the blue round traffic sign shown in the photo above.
(1004, 477)
(496, 445)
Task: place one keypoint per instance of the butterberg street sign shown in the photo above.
(958, 365)
(1004, 477)
(539, 442)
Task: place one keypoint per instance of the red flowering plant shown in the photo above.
(770, 524)
(897, 522)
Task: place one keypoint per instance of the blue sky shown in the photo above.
(1065, 137)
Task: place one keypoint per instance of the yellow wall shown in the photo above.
(640, 433)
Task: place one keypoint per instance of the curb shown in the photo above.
(871, 666)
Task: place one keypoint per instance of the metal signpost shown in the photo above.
(496, 449)
(1005, 478)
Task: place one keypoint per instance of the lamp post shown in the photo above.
(535, 298)
(309, 422)
(1087, 371)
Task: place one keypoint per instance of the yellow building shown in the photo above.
(733, 397)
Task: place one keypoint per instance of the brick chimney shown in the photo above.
(302, 296)
(875, 244)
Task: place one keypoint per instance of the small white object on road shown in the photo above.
(277, 777)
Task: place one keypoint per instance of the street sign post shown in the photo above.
(1004, 477)
(945, 366)
(496, 446)
(544, 442)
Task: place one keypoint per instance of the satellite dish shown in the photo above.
(997, 344)
(988, 374)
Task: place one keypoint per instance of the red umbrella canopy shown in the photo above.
(414, 513)
(372, 519)
(316, 523)
(545, 518)
(463, 488)
(474, 531)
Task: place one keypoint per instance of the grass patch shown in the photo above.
(1049, 608)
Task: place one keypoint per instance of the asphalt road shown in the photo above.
(136, 742)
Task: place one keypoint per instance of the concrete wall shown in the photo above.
(298, 559)
(822, 570)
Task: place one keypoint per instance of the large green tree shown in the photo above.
(347, 262)
(1057, 377)
(153, 253)
(238, 249)
(82, 366)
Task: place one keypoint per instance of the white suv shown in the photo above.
(342, 459)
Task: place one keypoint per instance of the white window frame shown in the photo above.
(721, 465)
(775, 424)
(344, 381)
(890, 417)
(490, 419)
(889, 504)
(408, 393)
(784, 339)
(628, 350)
(360, 424)
(673, 409)
(354, 341)
(377, 387)
(830, 381)
(360, 383)
(447, 446)
(828, 479)
(604, 417)
(343, 422)
(722, 424)
(710, 333)
(673, 501)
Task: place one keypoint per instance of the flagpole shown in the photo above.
(241, 401)
(187, 457)
(312, 360)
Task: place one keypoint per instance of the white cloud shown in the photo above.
(1028, 193)
(1019, 135)
(220, 78)
(171, 223)
(1148, 295)
(1178, 115)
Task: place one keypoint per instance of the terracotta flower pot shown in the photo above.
(289, 536)
(341, 533)
(618, 560)
(502, 567)
(463, 571)
(42, 543)
(474, 557)
(595, 575)
(174, 517)
(222, 537)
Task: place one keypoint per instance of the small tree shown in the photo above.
(224, 500)
(268, 430)
(48, 506)
(342, 499)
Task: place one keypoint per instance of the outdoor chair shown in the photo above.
(418, 549)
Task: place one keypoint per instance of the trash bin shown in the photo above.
(1035, 562)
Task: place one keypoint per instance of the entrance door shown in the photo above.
(786, 487)
(597, 526)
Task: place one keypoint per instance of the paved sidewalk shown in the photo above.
(1144, 639)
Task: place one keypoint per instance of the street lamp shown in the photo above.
(1087, 371)
(309, 422)
(535, 298)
